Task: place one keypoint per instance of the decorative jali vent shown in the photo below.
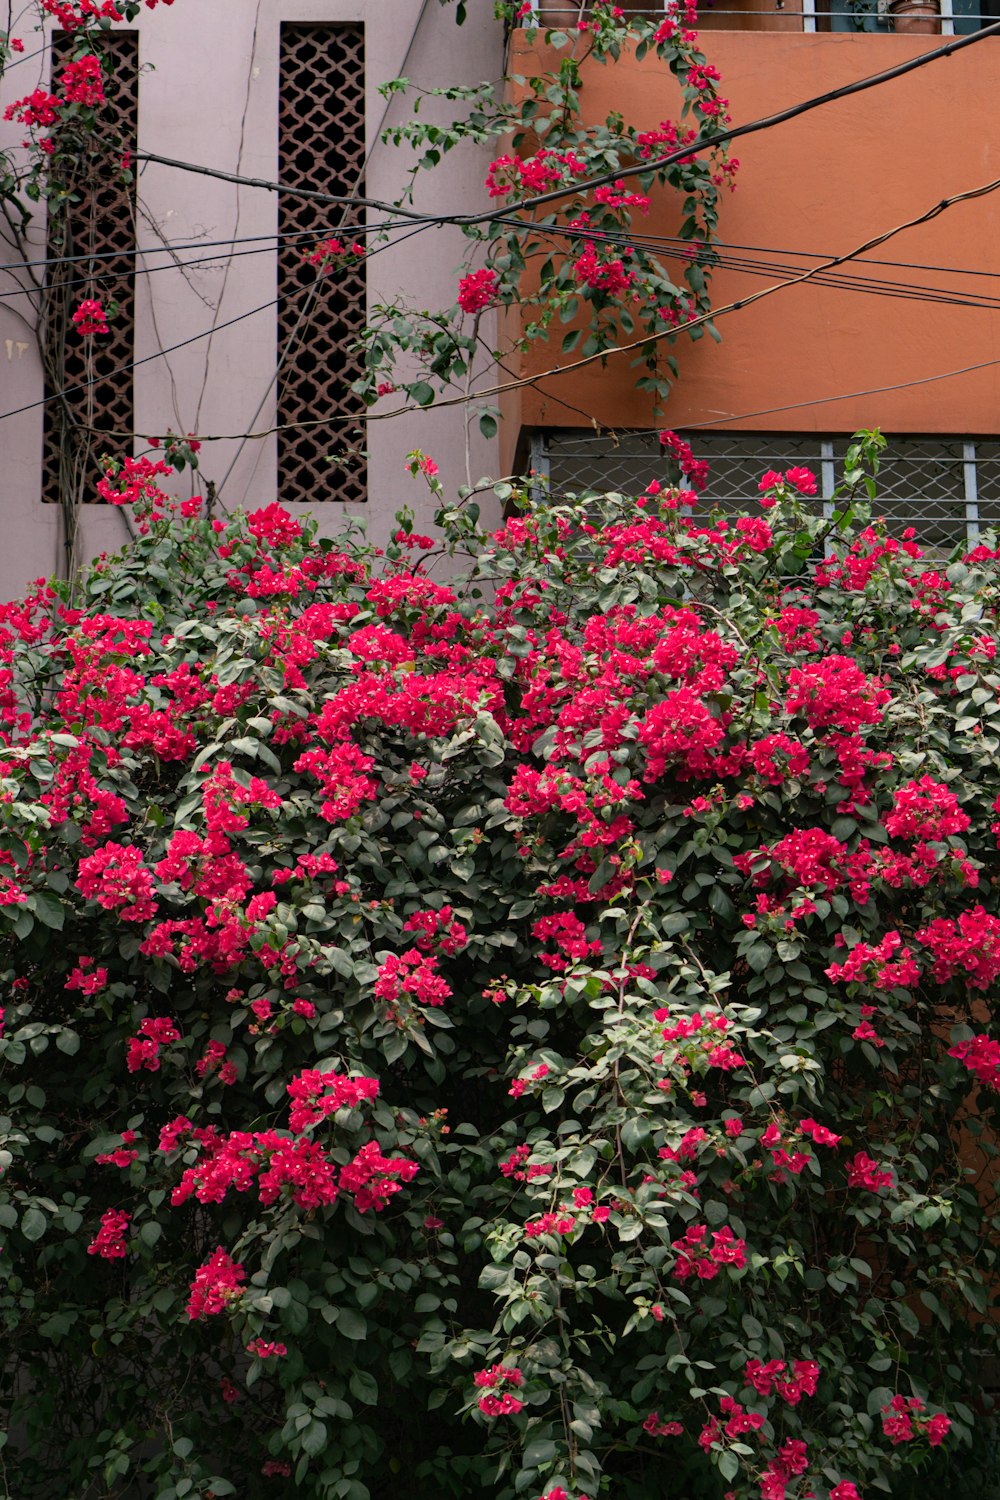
(321, 146)
(946, 488)
(94, 373)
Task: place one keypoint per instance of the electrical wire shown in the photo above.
(649, 339)
(720, 257)
(137, 271)
(673, 247)
(183, 344)
(424, 221)
(169, 248)
(875, 390)
(539, 200)
(713, 422)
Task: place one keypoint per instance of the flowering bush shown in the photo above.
(510, 1038)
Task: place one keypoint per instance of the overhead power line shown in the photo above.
(422, 221)
(137, 271)
(713, 422)
(539, 200)
(358, 231)
(736, 306)
(205, 333)
(650, 338)
(874, 390)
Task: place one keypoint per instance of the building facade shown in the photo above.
(221, 332)
(219, 319)
(903, 337)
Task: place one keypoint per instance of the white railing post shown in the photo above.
(971, 492)
(828, 475)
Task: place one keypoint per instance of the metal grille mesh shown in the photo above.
(922, 482)
(579, 463)
(102, 221)
(321, 145)
(988, 481)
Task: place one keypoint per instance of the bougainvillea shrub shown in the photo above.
(527, 1035)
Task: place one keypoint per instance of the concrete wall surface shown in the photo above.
(819, 186)
(208, 94)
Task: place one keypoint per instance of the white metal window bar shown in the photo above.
(946, 488)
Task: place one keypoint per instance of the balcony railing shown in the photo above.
(946, 488)
(956, 17)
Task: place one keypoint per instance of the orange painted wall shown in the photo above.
(824, 183)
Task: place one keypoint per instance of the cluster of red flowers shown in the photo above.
(694, 470)
(411, 976)
(658, 1428)
(532, 174)
(877, 965)
(792, 1459)
(903, 1421)
(605, 274)
(499, 1400)
(82, 82)
(864, 1171)
(981, 1055)
(477, 290)
(316, 1096)
(144, 1050)
(90, 317)
(334, 253)
(791, 1386)
(968, 945)
(703, 1253)
(437, 929)
(116, 878)
(738, 1421)
(109, 1242)
(216, 1284)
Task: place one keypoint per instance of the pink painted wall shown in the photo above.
(213, 74)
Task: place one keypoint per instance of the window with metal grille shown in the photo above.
(946, 488)
(321, 146)
(91, 378)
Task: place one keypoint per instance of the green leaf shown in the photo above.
(351, 1324)
(542, 1451)
(33, 1224)
(364, 1386)
(68, 1042)
(313, 1439)
(48, 910)
(759, 955)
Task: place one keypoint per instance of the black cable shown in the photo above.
(121, 369)
(136, 271)
(706, 143)
(428, 220)
(717, 257)
(171, 265)
(877, 390)
(765, 122)
(72, 390)
(657, 243)
(357, 231)
(158, 354)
